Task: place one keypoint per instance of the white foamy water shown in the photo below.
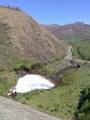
(32, 82)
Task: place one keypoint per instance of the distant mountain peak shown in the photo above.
(80, 23)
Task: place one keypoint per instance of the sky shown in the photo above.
(54, 11)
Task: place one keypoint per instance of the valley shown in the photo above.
(63, 57)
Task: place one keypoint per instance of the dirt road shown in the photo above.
(11, 110)
(69, 53)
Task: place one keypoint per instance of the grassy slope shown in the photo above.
(60, 101)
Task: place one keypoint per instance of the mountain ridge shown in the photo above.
(73, 31)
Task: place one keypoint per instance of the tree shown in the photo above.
(83, 107)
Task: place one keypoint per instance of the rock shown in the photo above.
(11, 110)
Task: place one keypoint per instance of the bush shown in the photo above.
(83, 108)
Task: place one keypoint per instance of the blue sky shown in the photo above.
(54, 11)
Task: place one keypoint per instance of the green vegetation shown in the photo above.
(61, 101)
(83, 108)
(81, 49)
(8, 70)
(7, 80)
(10, 7)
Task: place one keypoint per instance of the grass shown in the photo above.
(8, 75)
(7, 80)
(61, 101)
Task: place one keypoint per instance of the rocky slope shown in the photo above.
(10, 110)
(75, 31)
(22, 36)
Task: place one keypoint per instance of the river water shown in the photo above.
(31, 82)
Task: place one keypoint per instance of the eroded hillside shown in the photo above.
(21, 36)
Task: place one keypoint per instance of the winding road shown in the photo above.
(69, 55)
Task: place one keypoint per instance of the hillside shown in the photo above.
(22, 37)
(24, 44)
(81, 49)
(69, 32)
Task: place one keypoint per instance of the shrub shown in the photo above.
(83, 108)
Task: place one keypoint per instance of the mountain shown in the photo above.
(75, 31)
(23, 37)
